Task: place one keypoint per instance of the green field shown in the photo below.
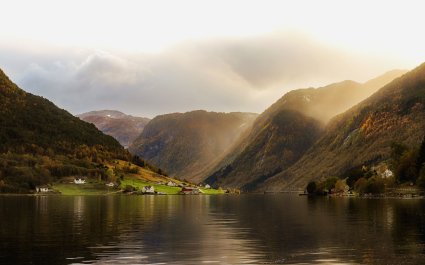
(139, 184)
(83, 189)
(98, 188)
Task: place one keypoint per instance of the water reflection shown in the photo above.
(179, 230)
(249, 229)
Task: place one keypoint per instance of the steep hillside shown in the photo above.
(363, 135)
(310, 107)
(30, 122)
(282, 141)
(185, 144)
(124, 128)
(41, 143)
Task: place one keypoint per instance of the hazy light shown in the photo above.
(150, 26)
(216, 55)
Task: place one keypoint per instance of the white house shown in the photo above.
(387, 174)
(110, 184)
(79, 181)
(148, 190)
(207, 186)
(171, 184)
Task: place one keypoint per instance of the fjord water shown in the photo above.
(246, 229)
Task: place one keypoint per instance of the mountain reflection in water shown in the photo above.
(246, 229)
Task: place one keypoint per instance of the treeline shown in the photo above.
(25, 166)
(406, 167)
(408, 163)
(142, 163)
(21, 173)
(362, 180)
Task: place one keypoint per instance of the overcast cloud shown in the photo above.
(227, 74)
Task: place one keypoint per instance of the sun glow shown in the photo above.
(151, 26)
(216, 55)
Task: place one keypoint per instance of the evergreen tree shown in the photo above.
(421, 156)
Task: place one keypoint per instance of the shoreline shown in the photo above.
(119, 193)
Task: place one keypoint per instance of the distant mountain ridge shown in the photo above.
(311, 109)
(324, 103)
(186, 144)
(125, 128)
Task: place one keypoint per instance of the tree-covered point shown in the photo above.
(408, 165)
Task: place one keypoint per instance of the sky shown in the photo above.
(153, 57)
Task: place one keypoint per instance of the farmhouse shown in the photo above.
(171, 184)
(79, 181)
(148, 190)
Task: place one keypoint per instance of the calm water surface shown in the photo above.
(246, 229)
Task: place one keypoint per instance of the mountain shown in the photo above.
(282, 141)
(363, 134)
(41, 143)
(124, 128)
(325, 102)
(187, 144)
(31, 122)
(287, 129)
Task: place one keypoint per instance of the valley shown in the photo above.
(307, 135)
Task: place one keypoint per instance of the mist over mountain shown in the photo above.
(363, 135)
(324, 103)
(186, 144)
(273, 144)
(125, 128)
(243, 150)
(282, 141)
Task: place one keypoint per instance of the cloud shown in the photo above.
(229, 74)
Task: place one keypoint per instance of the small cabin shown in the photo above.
(190, 191)
(207, 186)
(148, 190)
(79, 181)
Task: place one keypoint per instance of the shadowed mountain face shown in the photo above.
(281, 142)
(273, 144)
(124, 128)
(186, 144)
(363, 134)
(28, 120)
